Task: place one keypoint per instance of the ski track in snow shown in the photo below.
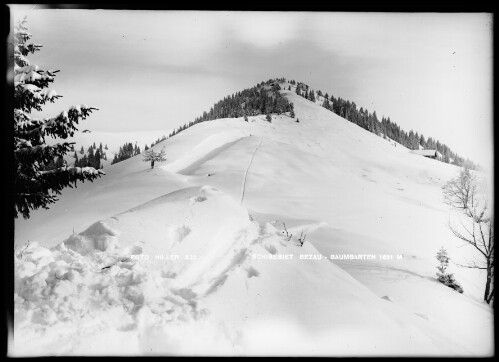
(243, 187)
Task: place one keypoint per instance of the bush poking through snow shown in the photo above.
(288, 235)
(302, 238)
(442, 275)
(20, 251)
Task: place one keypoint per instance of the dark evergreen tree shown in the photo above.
(35, 185)
(91, 157)
(97, 158)
(311, 96)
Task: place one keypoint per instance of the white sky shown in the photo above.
(149, 70)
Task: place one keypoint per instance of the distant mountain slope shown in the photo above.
(265, 98)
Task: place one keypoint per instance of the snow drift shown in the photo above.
(191, 273)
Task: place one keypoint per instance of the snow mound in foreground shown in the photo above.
(190, 273)
(98, 236)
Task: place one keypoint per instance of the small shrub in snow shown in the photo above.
(288, 235)
(302, 238)
(20, 251)
(442, 275)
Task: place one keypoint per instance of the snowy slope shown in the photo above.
(351, 191)
(202, 290)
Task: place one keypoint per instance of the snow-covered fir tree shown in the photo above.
(36, 184)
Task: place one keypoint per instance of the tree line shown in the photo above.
(92, 158)
(126, 151)
(263, 98)
(386, 128)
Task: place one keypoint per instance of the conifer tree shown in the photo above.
(311, 96)
(97, 158)
(82, 151)
(35, 185)
(442, 275)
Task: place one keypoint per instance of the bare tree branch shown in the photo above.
(462, 193)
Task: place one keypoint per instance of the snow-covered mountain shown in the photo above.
(196, 256)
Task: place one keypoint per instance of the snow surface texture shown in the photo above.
(209, 285)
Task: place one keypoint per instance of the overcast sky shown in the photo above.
(149, 70)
